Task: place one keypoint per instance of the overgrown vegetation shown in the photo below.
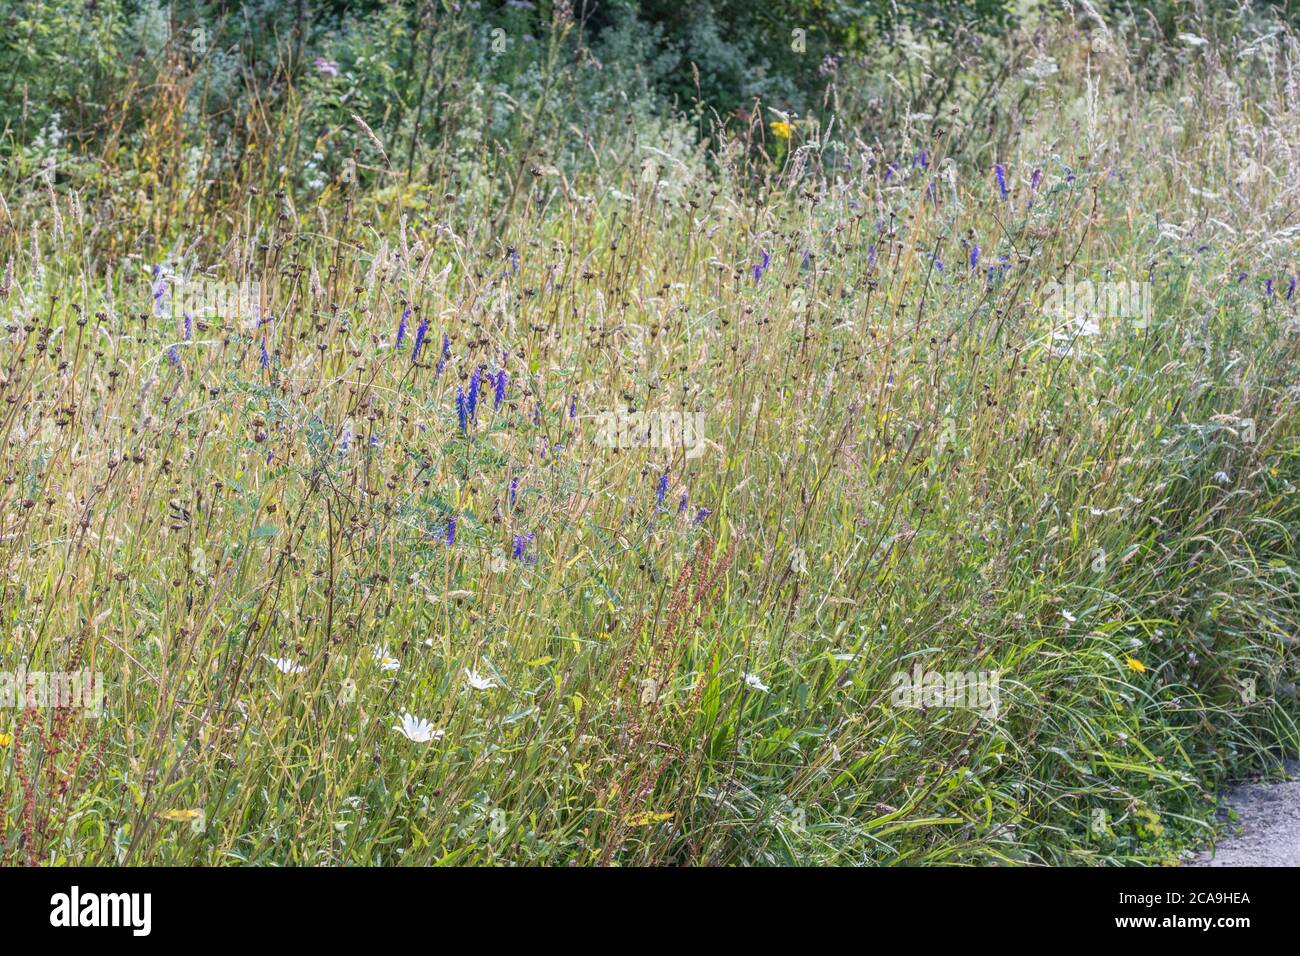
(313, 331)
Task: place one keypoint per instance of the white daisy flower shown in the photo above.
(285, 666)
(417, 729)
(1084, 327)
(478, 681)
(1070, 618)
(753, 681)
(386, 661)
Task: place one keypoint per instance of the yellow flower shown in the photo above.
(1135, 665)
(648, 818)
(181, 816)
(6, 740)
(782, 129)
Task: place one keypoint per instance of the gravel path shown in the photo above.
(1267, 829)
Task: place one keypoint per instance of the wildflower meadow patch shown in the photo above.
(509, 434)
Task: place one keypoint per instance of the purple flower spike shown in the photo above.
(401, 328)
(420, 332)
(519, 548)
